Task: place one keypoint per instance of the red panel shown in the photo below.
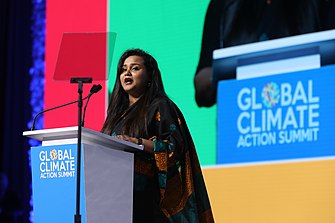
(82, 55)
(72, 16)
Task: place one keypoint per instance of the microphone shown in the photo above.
(94, 89)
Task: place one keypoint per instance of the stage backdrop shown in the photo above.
(170, 30)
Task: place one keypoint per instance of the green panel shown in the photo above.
(171, 31)
(111, 38)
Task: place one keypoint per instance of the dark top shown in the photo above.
(168, 186)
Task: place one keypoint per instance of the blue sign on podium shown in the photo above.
(278, 117)
(54, 170)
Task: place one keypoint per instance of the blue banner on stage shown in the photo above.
(54, 183)
(279, 117)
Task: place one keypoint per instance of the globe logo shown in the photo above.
(270, 94)
(53, 154)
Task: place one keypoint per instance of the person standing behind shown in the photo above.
(235, 22)
(168, 180)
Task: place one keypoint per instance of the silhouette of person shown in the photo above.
(235, 22)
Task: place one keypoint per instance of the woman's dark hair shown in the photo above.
(134, 123)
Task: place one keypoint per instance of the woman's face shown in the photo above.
(134, 77)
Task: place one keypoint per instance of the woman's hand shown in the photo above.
(148, 145)
(127, 138)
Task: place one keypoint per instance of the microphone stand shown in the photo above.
(80, 81)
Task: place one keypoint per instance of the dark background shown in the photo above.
(15, 62)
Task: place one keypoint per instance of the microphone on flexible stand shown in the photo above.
(94, 89)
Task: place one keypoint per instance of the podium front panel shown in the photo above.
(279, 117)
(54, 183)
(106, 185)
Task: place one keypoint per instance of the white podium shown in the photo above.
(106, 176)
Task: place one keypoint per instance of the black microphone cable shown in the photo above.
(94, 89)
